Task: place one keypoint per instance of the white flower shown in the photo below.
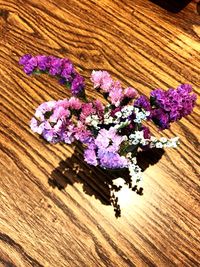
(118, 114)
(138, 138)
(163, 139)
(127, 111)
(159, 145)
(93, 120)
(153, 139)
(140, 115)
(164, 142)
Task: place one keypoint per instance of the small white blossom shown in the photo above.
(118, 114)
(93, 120)
(138, 138)
(127, 111)
(135, 171)
(163, 139)
(153, 139)
(159, 145)
(164, 142)
(140, 115)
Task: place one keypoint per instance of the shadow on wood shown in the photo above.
(99, 182)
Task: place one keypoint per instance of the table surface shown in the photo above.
(55, 210)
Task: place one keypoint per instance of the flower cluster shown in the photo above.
(111, 134)
(62, 68)
(168, 106)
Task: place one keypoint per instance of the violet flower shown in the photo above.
(61, 68)
(171, 105)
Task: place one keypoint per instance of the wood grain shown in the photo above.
(55, 210)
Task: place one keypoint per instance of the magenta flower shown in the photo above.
(75, 103)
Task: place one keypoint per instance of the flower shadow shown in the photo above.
(96, 181)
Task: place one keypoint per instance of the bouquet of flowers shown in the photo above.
(111, 133)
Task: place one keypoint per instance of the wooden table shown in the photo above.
(55, 210)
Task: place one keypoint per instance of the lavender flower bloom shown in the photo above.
(24, 59)
(77, 85)
(90, 157)
(42, 62)
(143, 102)
(61, 68)
(111, 160)
(109, 140)
(171, 105)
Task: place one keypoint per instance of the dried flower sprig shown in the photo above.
(61, 68)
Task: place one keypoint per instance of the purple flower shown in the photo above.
(24, 59)
(28, 69)
(111, 160)
(146, 132)
(160, 118)
(158, 95)
(171, 105)
(55, 66)
(143, 102)
(29, 63)
(67, 69)
(77, 85)
(90, 157)
(42, 62)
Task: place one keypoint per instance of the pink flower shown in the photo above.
(116, 94)
(130, 92)
(87, 109)
(99, 107)
(59, 113)
(82, 134)
(75, 103)
(43, 108)
(101, 79)
(62, 103)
